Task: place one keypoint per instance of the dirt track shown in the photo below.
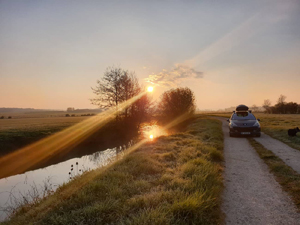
(290, 156)
(252, 196)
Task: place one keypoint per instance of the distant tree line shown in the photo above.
(73, 115)
(281, 107)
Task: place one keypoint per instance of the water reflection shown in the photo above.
(152, 130)
(28, 187)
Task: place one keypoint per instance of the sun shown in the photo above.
(150, 89)
(151, 136)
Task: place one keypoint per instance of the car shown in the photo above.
(243, 123)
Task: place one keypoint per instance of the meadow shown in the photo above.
(277, 125)
(22, 129)
(175, 179)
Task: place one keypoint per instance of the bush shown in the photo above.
(2, 117)
(67, 115)
(177, 102)
(9, 117)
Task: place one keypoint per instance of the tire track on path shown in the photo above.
(289, 155)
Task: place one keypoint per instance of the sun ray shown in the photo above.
(61, 142)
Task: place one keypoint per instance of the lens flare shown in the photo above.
(150, 89)
(58, 143)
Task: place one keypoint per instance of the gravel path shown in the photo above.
(289, 155)
(251, 195)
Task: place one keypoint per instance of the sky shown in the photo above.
(227, 52)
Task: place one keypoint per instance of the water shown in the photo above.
(152, 129)
(41, 182)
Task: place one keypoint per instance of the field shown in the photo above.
(38, 123)
(174, 179)
(277, 125)
(22, 130)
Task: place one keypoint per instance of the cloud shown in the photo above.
(174, 77)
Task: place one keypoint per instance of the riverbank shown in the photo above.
(174, 179)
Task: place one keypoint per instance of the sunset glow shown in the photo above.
(235, 47)
(150, 89)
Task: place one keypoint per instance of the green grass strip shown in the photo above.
(285, 175)
(281, 135)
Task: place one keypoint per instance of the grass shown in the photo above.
(277, 125)
(34, 124)
(285, 175)
(17, 133)
(174, 179)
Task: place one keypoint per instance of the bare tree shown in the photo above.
(280, 106)
(267, 105)
(117, 86)
(108, 89)
(281, 99)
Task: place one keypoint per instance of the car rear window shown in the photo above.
(243, 116)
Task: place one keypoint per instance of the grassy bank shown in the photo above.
(277, 125)
(285, 175)
(174, 179)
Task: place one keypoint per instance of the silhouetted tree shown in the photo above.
(291, 107)
(280, 106)
(176, 102)
(117, 86)
(141, 110)
(281, 99)
(267, 105)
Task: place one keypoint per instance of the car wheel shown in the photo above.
(230, 135)
(258, 135)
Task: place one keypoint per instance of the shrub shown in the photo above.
(177, 102)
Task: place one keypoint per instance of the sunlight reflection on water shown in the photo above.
(152, 130)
